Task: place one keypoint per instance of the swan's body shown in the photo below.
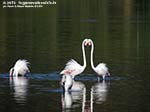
(74, 68)
(66, 82)
(20, 68)
(101, 69)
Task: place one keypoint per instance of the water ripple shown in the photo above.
(55, 76)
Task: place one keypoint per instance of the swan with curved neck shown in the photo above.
(73, 67)
(101, 69)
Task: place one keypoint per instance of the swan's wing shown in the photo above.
(102, 68)
(71, 65)
(22, 66)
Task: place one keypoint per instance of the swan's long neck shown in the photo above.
(84, 57)
(92, 49)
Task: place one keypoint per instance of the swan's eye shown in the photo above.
(86, 43)
(89, 43)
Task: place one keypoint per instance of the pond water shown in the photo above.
(50, 36)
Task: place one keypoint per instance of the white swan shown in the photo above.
(73, 67)
(101, 69)
(20, 68)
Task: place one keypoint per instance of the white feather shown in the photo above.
(102, 69)
(21, 67)
(74, 67)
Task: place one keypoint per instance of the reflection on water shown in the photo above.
(19, 85)
(98, 95)
(66, 100)
(99, 92)
(77, 86)
(77, 94)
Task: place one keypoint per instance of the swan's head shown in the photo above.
(65, 77)
(63, 80)
(85, 42)
(88, 42)
(67, 82)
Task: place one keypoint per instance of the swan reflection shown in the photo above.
(72, 99)
(99, 92)
(19, 85)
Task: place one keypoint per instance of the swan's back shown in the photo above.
(72, 64)
(21, 66)
(74, 67)
(101, 69)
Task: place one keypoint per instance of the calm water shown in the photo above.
(48, 37)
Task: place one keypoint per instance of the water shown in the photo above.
(48, 37)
